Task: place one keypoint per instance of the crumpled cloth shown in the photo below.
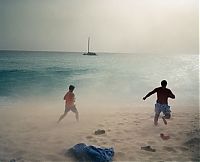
(83, 153)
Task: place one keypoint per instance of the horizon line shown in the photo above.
(62, 51)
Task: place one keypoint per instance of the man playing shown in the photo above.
(161, 105)
(69, 103)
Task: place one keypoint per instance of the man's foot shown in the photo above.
(164, 120)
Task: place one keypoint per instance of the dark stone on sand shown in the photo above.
(148, 148)
(99, 132)
(12, 160)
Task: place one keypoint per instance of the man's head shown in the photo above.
(71, 88)
(163, 83)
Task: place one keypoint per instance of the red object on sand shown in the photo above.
(164, 137)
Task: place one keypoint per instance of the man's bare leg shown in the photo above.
(164, 120)
(167, 116)
(156, 119)
(62, 116)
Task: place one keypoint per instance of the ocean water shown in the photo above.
(118, 79)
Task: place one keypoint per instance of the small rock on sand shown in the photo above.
(99, 131)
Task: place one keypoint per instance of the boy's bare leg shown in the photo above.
(156, 119)
(62, 116)
(77, 116)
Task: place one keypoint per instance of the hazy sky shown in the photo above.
(133, 26)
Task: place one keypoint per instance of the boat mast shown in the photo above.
(88, 44)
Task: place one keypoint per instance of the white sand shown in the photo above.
(30, 133)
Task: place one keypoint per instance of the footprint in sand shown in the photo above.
(179, 124)
(51, 157)
(151, 142)
(118, 132)
(125, 119)
(140, 144)
(123, 114)
(120, 123)
(21, 152)
(137, 122)
(89, 137)
(132, 158)
(59, 141)
(103, 143)
(170, 149)
(127, 131)
(93, 140)
(115, 140)
(120, 154)
(100, 125)
(180, 133)
(128, 139)
(182, 148)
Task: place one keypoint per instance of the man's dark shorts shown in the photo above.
(162, 108)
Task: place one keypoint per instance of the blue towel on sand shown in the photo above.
(82, 152)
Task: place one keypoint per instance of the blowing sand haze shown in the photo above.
(26, 136)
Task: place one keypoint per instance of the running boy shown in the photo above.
(161, 105)
(69, 103)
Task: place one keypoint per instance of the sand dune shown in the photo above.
(31, 134)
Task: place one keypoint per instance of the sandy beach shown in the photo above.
(33, 135)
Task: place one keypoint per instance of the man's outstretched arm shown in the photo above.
(171, 95)
(149, 94)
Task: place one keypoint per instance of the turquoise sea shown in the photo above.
(108, 78)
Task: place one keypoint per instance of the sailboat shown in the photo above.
(89, 53)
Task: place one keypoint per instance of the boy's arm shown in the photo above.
(65, 96)
(150, 93)
(73, 97)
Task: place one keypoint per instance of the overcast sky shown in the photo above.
(127, 26)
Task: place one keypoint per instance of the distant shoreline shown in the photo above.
(13, 50)
(81, 52)
(46, 51)
(36, 51)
